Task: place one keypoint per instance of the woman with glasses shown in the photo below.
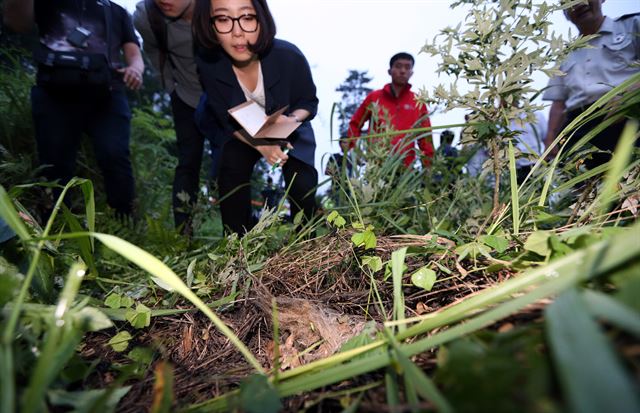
(240, 60)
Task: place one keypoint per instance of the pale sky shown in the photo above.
(339, 35)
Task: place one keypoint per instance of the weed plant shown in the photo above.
(553, 334)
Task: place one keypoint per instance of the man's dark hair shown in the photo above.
(446, 136)
(401, 55)
(205, 35)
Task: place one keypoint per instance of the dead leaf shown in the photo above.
(505, 328)
(422, 308)
(631, 204)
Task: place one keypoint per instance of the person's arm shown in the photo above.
(272, 152)
(425, 143)
(556, 120)
(360, 116)
(303, 100)
(18, 15)
(150, 45)
(132, 73)
(299, 115)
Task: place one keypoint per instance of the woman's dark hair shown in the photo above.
(206, 36)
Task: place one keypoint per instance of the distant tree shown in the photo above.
(354, 91)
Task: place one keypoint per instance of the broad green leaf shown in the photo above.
(257, 395)
(358, 225)
(142, 355)
(591, 375)
(336, 219)
(113, 301)
(340, 222)
(367, 239)
(86, 401)
(91, 319)
(297, 220)
(126, 302)
(190, 270)
(498, 243)
(373, 262)
(538, 242)
(424, 278)
(559, 248)
(140, 317)
(120, 341)
(472, 249)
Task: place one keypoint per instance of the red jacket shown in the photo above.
(402, 112)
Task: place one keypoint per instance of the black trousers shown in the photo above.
(187, 176)
(605, 140)
(236, 166)
(59, 123)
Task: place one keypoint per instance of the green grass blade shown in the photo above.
(544, 282)
(8, 209)
(605, 307)
(167, 277)
(397, 271)
(7, 383)
(9, 214)
(618, 162)
(59, 344)
(89, 207)
(590, 373)
(85, 244)
(515, 201)
(391, 387)
(422, 383)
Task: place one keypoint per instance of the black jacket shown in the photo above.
(287, 81)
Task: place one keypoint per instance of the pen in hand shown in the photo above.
(277, 164)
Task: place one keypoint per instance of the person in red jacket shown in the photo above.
(394, 108)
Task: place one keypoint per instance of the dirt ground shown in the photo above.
(322, 300)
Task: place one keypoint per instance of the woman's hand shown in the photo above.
(286, 119)
(273, 154)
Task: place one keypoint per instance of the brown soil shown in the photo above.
(322, 300)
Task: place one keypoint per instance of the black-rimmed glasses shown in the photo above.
(223, 24)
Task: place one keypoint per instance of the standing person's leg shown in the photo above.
(236, 166)
(301, 179)
(606, 140)
(109, 126)
(190, 144)
(58, 127)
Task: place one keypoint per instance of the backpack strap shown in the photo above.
(108, 24)
(158, 26)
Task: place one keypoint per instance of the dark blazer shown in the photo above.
(287, 81)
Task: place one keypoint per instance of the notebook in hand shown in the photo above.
(256, 123)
